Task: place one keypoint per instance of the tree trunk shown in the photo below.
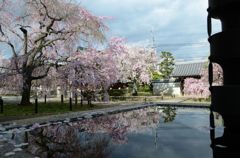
(134, 90)
(81, 98)
(26, 89)
(105, 95)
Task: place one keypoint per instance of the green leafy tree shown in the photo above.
(166, 65)
(156, 75)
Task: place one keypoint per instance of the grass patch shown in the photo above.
(144, 98)
(44, 109)
(191, 100)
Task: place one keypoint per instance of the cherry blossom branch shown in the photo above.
(42, 76)
(47, 13)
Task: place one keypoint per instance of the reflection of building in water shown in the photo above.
(225, 48)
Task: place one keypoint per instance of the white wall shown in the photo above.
(167, 88)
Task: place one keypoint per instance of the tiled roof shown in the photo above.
(188, 69)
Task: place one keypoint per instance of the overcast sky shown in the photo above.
(178, 26)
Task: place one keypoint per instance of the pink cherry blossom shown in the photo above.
(199, 88)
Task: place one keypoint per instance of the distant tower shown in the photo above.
(153, 39)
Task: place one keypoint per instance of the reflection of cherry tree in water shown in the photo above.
(117, 126)
(93, 137)
(169, 114)
(67, 141)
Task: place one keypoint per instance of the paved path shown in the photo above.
(17, 99)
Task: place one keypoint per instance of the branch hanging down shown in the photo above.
(1, 31)
(25, 46)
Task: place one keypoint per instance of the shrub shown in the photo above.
(118, 92)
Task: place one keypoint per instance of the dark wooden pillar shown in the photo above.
(225, 50)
